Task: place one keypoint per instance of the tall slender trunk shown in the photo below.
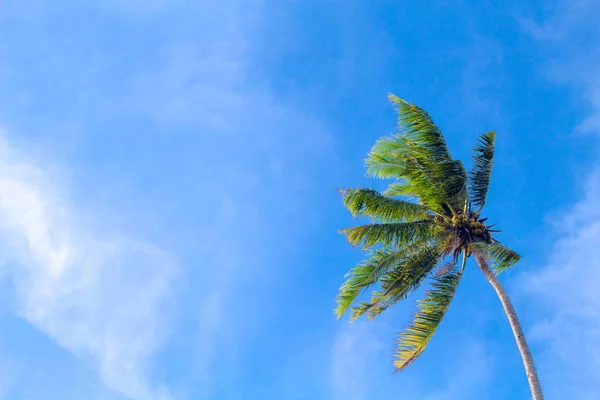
(534, 383)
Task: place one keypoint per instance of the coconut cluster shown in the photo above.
(475, 226)
(469, 225)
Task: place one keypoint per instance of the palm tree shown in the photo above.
(422, 225)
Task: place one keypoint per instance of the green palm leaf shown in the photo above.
(400, 281)
(435, 184)
(395, 156)
(384, 209)
(418, 127)
(502, 257)
(407, 190)
(453, 185)
(417, 183)
(366, 274)
(420, 156)
(401, 189)
(481, 173)
(431, 311)
(394, 234)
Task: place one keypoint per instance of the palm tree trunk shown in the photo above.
(534, 383)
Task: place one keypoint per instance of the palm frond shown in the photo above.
(481, 173)
(381, 208)
(454, 182)
(444, 269)
(440, 187)
(366, 274)
(400, 281)
(400, 189)
(384, 165)
(408, 191)
(431, 311)
(394, 234)
(416, 125)
(420, 156)
(426, 145)
(423, 194)
(502, 257)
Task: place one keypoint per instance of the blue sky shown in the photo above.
(168, 211)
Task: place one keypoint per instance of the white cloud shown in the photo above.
(100, 296)
(567, 288)
(245, 151)
(564, 289)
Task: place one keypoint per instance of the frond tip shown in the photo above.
(431, 311)
(502, 257)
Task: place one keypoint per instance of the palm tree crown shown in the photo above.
(420, 226)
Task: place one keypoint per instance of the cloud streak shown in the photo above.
(235, 165)
(98, 295)
(564, 289)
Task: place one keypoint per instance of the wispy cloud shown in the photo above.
(98, 294)
(564, 289)
(566, 293)
(241, 162)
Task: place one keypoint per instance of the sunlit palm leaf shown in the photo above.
(435, 185)
(416, 125)
(400, 281)
(401, 189)
(431, 311)
(420, 156)
(396, 234)
(366, 274)
(381, 208)
(385, 165)
(481, 173)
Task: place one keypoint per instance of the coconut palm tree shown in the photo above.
(424, 227)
